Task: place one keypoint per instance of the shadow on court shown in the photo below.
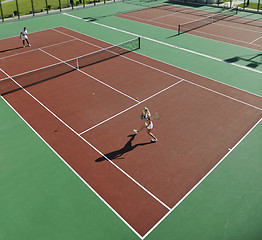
(118, 153)
(252, 61)
(10, 49)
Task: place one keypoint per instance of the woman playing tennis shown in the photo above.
(23, 35)
(148, 123)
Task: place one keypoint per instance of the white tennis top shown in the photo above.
(24, 34)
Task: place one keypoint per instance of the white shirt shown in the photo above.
(24, 34)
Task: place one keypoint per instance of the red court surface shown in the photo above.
(233, 29)
(87, 117)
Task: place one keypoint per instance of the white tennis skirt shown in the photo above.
(24, 37)
(149, 126)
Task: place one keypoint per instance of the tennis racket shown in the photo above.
(156, 116)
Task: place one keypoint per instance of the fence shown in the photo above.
(18, 8)
(245, 5)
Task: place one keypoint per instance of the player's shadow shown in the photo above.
(10, 49)
(118, 153)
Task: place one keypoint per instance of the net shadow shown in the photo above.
(25, 80)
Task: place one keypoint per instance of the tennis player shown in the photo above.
(148, 123)
(24, 37)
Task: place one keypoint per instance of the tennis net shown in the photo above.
(192, 25)
(27, 79)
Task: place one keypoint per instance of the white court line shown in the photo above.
(72, 169)
(55, 44)
(131, 107)
(210, 171)
(181, 80)
(152, 19)
(66, 34)
(166, 64)
(96, 79)
(156, 69)
(255, 40)
(85, 139)
(208, 14)
(115, 165)
(166, 44)
(206, 33)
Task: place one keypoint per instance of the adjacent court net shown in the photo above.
(27, 79)
(186, 27)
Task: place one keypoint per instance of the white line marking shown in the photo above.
(255, 40)
(90, 76)
(172, 66)
(156, 69)
(66, 34)
(188, 81)
(211, 170)
(59, 119)
(234, 99)
(71, 168)
(32, 50)
(131, 107)
(198, 30)
(167, 44)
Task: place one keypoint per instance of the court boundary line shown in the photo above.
(19, 32)
(94, 148)
(156, 69)
(208, 14)
(199, 31)
(94, 78)
(75, 38)
(32, 50)
(72, 169)
(191, 10)
(172, 75)
(146, 65)
(146, 99)
(193, 83)
(211, 14)
(202, 179)
(245, 91)
(255, 40)
(167, 44)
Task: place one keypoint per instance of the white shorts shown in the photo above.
(24, 37)
(149, 126)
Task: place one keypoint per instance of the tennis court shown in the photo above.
(72, 167)
(223, 26)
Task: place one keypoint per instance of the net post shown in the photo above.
(139, 43)
(179, 29)
(77, 64)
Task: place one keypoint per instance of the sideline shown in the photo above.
(167, 44)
